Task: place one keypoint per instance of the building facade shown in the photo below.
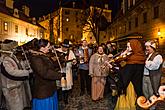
(17, 25)
(70, 25)
(143, 17)
(68, 22)
(65, 24)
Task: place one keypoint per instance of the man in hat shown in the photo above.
(152, 70)
(13, 77)
(70, 60)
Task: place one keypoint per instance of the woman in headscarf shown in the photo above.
(132, 75)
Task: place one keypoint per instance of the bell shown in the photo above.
(63, 82)
(114, 92)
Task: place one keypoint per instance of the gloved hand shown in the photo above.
(63, 74)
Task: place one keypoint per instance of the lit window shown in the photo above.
(16, 28)
(5, 26)
(67, 19)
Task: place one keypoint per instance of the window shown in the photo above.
(27, 31)
(67, 29)
(76, 19)
(67, 12)
(16, 28)
(131, 3)
(67, 19)
(76, 13)
(116, 32)
(5, 26)
(136, 22)
(77, 26)
(145, 17)
(124, 28)
(129, 23)
(156, 12)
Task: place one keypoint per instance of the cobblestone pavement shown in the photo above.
(77, 102)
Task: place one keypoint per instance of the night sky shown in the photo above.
(38, 7)
(43, 7)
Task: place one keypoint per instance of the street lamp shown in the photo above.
(159, 34)
(59, 40)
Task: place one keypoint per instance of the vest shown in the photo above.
(155, 73)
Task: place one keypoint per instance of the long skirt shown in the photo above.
(98, 85)
(127, 102)
(50, 103)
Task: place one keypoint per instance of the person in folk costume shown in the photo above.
(132, 75)
(85, 80)
(98, 70)
(46, 74)
(152, 71)
(70, 59)
(14, 77)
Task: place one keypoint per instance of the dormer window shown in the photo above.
(16, 13)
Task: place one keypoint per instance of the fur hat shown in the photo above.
(65, 43)
(8, 45)
(151, 44)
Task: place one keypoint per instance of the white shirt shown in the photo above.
(152, 65)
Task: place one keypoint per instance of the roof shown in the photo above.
(22, 16)
(129, 36)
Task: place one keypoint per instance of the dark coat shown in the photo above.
(46, 75)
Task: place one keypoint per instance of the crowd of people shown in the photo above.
(30, 75)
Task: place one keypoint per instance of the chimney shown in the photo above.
(26, 10)
(9, 4)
